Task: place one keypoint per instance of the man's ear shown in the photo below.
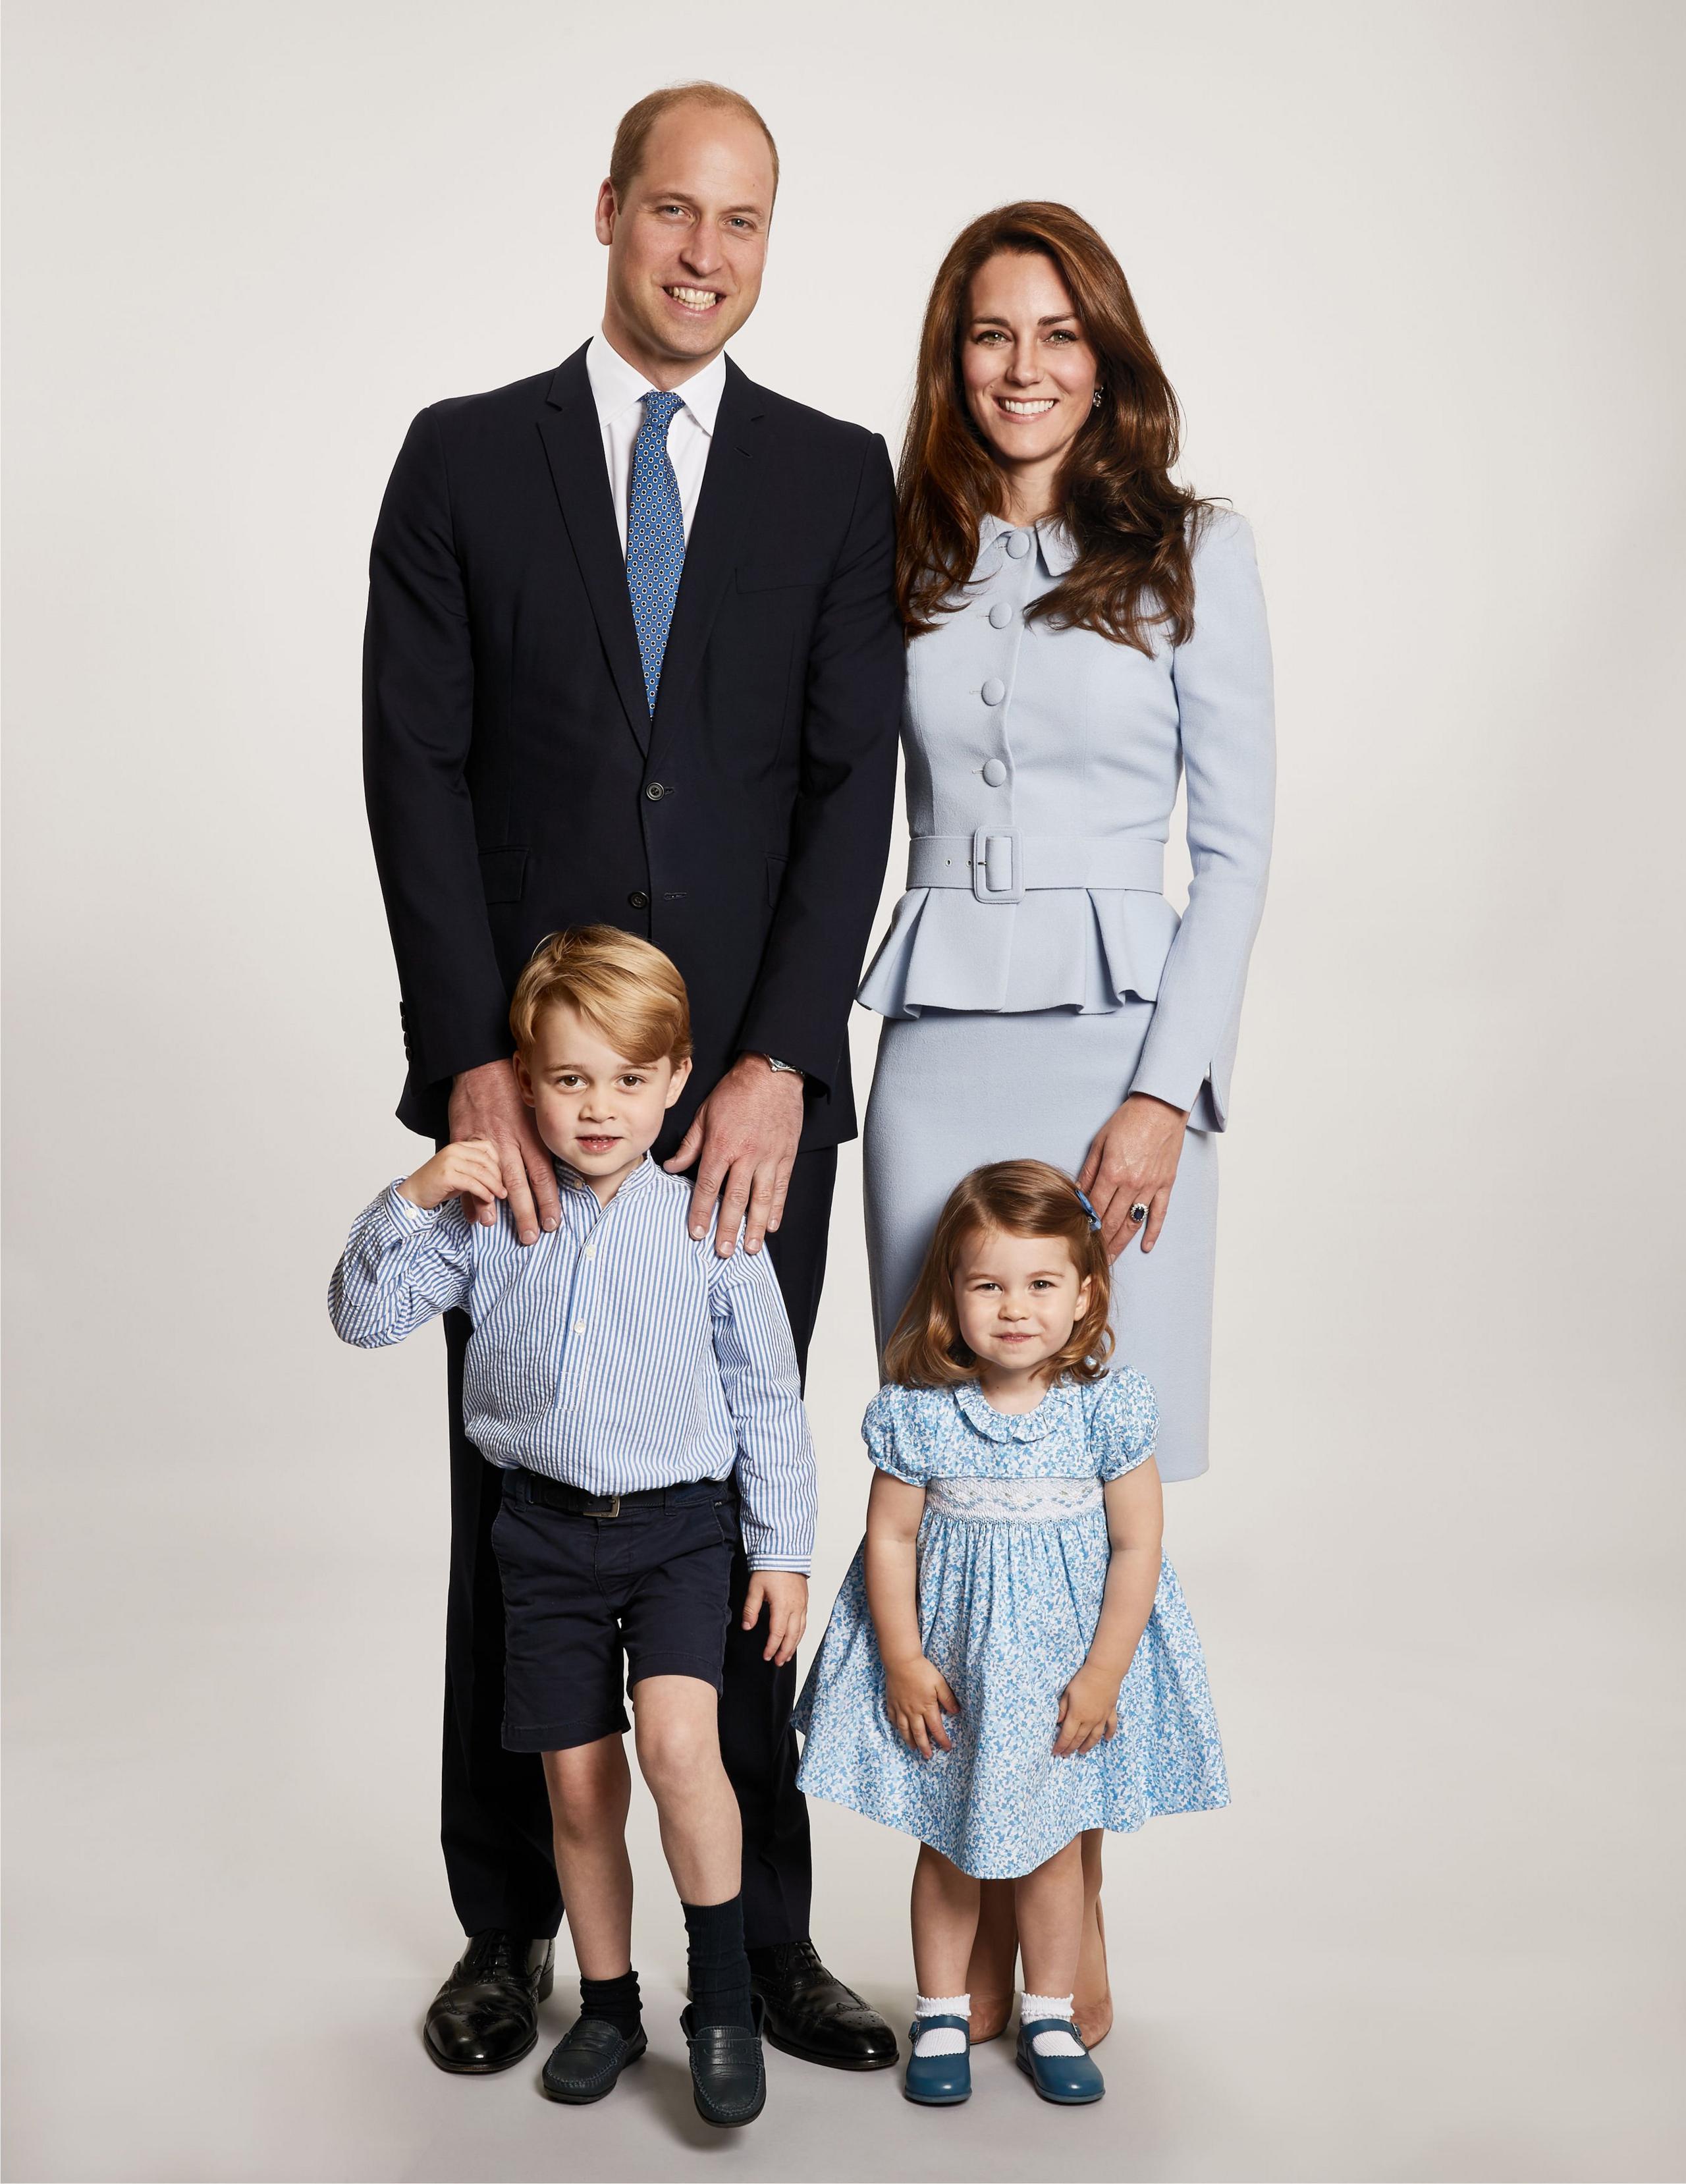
(523, 1080)
(682, 1071)
(607, 211)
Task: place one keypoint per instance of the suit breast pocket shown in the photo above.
(789, 575)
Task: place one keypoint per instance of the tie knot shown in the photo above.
(659, 409)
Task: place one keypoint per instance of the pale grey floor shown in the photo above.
(1435, 1936)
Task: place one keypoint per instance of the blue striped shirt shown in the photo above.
(615, 1353)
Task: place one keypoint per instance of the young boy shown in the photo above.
(641, 1395)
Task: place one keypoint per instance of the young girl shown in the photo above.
(1010, 1660)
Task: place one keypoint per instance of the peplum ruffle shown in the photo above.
(1085, 948)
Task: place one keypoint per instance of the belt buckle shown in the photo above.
(613, 1508)
(1014, 891)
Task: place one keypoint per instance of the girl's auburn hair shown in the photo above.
(1133, 526)
(1020, 1198)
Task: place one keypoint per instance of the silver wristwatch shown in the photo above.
(781, 1068)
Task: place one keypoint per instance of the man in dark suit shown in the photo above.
(632, 657)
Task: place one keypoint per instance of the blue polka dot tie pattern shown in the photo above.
(656, 536)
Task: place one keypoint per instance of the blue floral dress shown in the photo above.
(1013, 1556)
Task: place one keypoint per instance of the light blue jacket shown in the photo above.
(1042, 771)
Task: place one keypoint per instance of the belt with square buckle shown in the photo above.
(575, 1501)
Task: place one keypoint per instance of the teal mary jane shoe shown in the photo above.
(1071, 2080)
(939, 2081)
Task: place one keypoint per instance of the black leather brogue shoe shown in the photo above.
(728, 2069)
(812, 2014)
(588, 2059)
(486, 2016)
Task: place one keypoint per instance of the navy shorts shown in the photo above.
(593, 1604)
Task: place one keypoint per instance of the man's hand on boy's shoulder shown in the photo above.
(468, 1169)
(487, 1103)
(743, 1139)
(784, 1595)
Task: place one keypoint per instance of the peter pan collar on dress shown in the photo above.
(982, 1415)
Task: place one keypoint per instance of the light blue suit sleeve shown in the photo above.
(1226, 720)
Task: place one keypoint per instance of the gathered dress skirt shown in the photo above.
(954, 1089)
(1008, 1611)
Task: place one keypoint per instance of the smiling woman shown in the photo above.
(1086, 630)
(1064, 406)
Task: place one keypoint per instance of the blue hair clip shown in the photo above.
(1082, 1200)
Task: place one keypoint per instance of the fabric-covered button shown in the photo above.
(994, 691)
(995, 773)
(1000, 615)
(1018, 544)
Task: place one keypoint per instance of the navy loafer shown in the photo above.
(728, 2069)
(587, 2060)
(938, 2081)
(1069, 2079)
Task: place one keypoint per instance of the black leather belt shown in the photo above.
(575, 1501)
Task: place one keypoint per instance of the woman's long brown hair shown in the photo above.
(1132, 524)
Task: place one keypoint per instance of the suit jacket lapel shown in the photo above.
(573, 446)
(723, 510)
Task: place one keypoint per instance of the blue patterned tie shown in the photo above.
(656, 536)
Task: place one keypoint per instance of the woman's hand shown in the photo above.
(1132, 1162)
(471, 1168)
(1088, 1711)
(916, 1696)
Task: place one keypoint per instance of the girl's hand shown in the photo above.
(784, 1595)
(916, 1696)
(471, 1166)
(1132, 1162)
(1088, 1711)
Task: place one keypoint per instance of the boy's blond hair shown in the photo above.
(627, 991)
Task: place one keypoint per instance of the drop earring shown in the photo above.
(1098, 392)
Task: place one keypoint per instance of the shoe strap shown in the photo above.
(938, 2024)
(1029, 2031)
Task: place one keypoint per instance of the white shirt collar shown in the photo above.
(618, 385)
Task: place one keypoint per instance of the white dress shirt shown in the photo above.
(619, 389)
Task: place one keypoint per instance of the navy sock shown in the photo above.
(720, 1967)
(616, 1999)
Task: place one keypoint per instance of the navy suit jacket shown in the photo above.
(516, 781)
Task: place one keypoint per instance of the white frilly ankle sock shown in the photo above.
(944, 2039)
(1034, 2006)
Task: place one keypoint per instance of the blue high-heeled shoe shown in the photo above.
(938, 2081)
(1071, 2080)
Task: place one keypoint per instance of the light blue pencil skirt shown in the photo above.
(953, 1090)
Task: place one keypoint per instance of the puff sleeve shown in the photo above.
(1123, 1420)
(890, 1443)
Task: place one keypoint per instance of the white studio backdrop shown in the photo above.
(1414, 271)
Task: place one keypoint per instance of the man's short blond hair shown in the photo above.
(638, 121)
(627, 991)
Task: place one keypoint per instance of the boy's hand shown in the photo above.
(784, 1595)
(469, 1168)
(916, 1696)
(1088, 1711)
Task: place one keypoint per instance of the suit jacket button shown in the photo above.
(638, 899)
(655, 792)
